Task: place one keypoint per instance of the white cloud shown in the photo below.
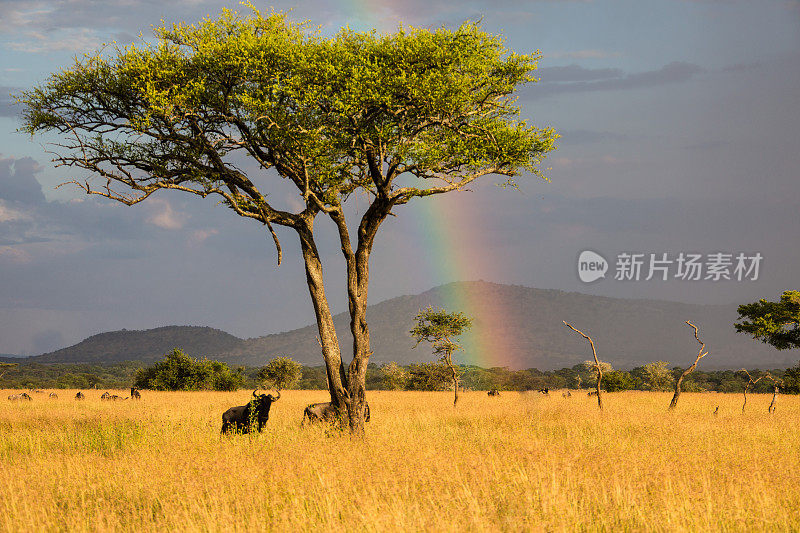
(8, 214)
(14, 254)
(200, 236)
(164, 216)
(79, 40)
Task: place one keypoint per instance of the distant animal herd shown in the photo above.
(255, 414)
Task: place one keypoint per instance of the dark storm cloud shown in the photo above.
(574, 78)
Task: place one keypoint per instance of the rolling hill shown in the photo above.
(514, 326)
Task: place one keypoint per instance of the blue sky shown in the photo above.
(679, 123)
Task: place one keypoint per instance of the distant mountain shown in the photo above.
(514, 326)
(147, 345)
(10, 358)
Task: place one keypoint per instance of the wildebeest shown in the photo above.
(326, 412)
(135, 395)
(545, 391)
(493, 392)
(241, 417)
(592, 393)
(80, 396)
(53, 396)
(20, 396)
(106, 396)
(566, 394)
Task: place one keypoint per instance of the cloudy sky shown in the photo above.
(679, 124)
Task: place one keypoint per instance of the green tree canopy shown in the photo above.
(775, 323)
(397, 116)
(657, 376)
(440, 328)
(281, 372)
(179, 371)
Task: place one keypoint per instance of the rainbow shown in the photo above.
(455, 253)
(458, 254)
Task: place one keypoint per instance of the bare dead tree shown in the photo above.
(750, 383)
(689, 370)
(776, 385)
(597, 368)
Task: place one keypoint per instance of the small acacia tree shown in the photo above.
(398, 116)
(439, 327)
(775, 323)
(281, 373)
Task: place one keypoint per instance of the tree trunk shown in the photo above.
(745, 397)
(599, 378)
(771, 408)
(455, 381)
(327, 332)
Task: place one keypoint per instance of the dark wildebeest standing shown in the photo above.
(241, 417)
(20, 396)
(80, 396)
(326, 412)
(135, 395)
(545, 390)
(493, 392)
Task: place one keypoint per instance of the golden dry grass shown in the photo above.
(520, 462)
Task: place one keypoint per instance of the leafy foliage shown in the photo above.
(395, 377)
(281, 372)
(657, 376)
(428, 376)
(178, 371)
(439, 327)
(775, 323)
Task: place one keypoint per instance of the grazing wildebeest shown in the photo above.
(53, 396)
(325, 412)
(241, 417)
(566, 394)
(493, 392)
(592, 393)
(111, 397)
(544, 391)
(80, 396)
(20, 396)
(135, 395)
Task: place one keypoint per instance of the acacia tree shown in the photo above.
(439, 327)
(398, 116)
(775, 323)
(281, 372)
(700, 354)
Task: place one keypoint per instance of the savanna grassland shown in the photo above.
(520, 462)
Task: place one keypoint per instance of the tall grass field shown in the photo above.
(518, 462)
